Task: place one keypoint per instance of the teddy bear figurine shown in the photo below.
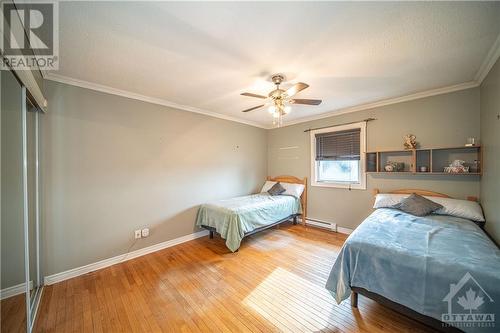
(410, 141)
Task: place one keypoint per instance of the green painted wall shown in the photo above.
(490, 140)
(443, 120)
(112, 165)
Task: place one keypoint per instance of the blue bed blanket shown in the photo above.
(440, 266)
(234, 217)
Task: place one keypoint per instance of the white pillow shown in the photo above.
(466, 209)
(470, 210)
(293, 189)
(387, 200)
(267, 185)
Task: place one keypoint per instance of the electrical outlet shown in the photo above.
(137, 234)
(145, 232)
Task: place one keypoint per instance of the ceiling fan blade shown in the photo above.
(306, 101)
(253, 95)
(255, 107)
(296, 88)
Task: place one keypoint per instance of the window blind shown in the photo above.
(338, 146)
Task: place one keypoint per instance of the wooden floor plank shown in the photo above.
(13, 314)
(274, 283)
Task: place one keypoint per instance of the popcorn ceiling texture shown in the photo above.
(201, 56)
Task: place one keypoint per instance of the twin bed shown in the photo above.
(440, 269)
(240, 217)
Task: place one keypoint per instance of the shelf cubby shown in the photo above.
(423, 159)
(401, 156)
(442, 157)
(434, 159)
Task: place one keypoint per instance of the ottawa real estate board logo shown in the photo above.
(30, 35)
(469, 305)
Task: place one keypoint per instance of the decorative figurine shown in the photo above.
(410, 141)
(391, 166)
(457, 166)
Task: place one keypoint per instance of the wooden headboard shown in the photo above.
(421, 192)
(295, 180)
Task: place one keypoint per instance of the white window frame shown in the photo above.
(362, 149)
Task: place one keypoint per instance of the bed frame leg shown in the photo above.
(354, 299)
(211, 236)
(295, 220)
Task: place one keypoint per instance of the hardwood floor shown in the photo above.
(13, 314)
(274, 283)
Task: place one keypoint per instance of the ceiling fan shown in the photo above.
(281, 99)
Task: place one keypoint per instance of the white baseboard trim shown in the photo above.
(14, 290)
(58, 277)
(343, 230)
(328, 225)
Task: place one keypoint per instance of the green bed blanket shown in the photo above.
(233, 218)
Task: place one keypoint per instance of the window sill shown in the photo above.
(339, 185)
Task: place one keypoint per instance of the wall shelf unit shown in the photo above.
(434, 159)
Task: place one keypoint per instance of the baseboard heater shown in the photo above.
(322, 224)
(328, 225)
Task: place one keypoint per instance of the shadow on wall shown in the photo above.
(463, 185)
(180, 224)
(466, 178)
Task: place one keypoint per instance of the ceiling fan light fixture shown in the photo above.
(277, 101)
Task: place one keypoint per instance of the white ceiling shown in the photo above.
(203, 55)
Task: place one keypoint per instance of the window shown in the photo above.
(338, 158)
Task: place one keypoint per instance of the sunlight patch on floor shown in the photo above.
(285, 298)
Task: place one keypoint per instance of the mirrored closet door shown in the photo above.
(13, 273)
(21, 280)
(31, 154)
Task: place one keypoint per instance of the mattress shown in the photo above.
(443, 267)
(235, 217)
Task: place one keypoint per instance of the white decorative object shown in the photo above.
(457, 166)
(394, 166)
(471, 142)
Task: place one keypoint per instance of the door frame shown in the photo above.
(31, 302)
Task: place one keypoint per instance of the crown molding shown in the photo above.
(406, 98)
(487, 64)
(144, 98)
(489, 61)
(159, 101)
